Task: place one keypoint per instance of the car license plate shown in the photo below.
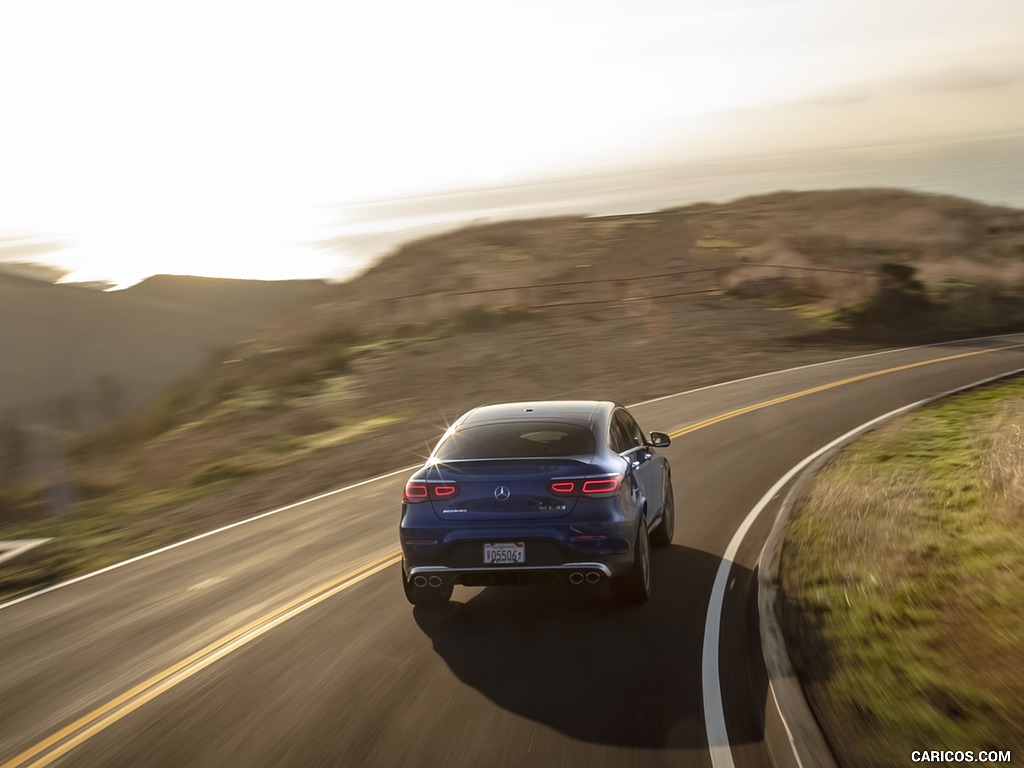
(505, 554)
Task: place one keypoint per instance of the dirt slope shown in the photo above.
(58, 341)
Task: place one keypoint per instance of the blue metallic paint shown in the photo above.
(550, 532)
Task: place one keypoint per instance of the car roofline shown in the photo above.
(541, 410)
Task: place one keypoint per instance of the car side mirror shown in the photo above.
(660, 440)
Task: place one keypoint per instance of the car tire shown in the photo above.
(635, 587)
(426, 597)
(662, 535)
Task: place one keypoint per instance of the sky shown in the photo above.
(228, 138)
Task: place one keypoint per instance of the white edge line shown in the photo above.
(268, 513)
(714, 713)
(191, 539)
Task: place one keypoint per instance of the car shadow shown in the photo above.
(574, 660)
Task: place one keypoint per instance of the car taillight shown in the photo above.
(415, 492)
(419, 490)
(602, 486)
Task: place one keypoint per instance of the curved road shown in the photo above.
(286, 640)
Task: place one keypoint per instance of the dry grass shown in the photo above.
(904, 607)
(1002, 467)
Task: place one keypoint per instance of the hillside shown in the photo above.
(943, 237)
(362, 377)
(68, 344)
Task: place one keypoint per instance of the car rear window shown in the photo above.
(514, 440)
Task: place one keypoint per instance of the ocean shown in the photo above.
(988, 170)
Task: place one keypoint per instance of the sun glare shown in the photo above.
(202, 139)
(133, 239)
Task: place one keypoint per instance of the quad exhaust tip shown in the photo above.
(434, 581)
(420, 581)
(576, 577)
(593, 577)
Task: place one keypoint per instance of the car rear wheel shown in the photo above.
(635, 587)
(662, 535)
(426, 597)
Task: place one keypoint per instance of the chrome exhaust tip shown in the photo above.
(576, 577)
(420, 581)
(434, 581)
(593, 577)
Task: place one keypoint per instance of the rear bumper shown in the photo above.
(461, 560)
(454, 552)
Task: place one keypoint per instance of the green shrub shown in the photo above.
(899, 300)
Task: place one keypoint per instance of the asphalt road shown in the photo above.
(287, 641)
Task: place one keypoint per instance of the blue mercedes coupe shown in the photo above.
(531, 492)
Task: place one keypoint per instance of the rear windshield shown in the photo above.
(519, 439)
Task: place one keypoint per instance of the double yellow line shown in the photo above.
(69, 737)
(832, 385)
